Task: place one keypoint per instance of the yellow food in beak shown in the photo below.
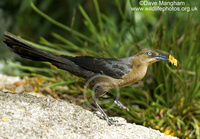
(172, 60)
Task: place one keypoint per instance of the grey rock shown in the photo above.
(33, 117)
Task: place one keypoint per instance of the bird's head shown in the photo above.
(149, 56)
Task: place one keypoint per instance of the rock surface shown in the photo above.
(27, 116)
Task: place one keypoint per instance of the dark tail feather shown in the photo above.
(25, 50)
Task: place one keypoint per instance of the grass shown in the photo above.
(168, 99)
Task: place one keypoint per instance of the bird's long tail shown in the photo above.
(25, 50)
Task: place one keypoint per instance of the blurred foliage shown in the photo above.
(167, 99)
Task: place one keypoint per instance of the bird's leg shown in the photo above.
(116, 100)
(95, 99)
(110, 121)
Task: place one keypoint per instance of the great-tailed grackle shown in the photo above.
(107, 73)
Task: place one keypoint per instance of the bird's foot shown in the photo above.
(102, 117)
(99, 115)
(112, 122)
(121, 105)
(111, 96)
(109, 120)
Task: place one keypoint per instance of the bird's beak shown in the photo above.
(162, 57)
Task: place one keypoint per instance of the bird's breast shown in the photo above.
(137, 74)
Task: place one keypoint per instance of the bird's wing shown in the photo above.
(115, 68)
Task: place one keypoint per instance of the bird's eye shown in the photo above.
(149, 53)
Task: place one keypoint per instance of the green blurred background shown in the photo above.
(168, 99)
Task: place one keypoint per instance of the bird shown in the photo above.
(106, 73)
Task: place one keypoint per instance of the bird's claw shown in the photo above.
(109, 120)
(112, 122)
(121, 105)
(102, 117)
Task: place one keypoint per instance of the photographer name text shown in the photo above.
(162, 3)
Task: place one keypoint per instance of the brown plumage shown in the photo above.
(106, 74)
